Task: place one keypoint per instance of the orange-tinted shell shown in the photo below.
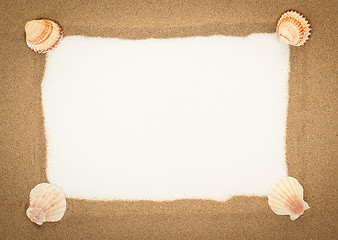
(293, 29)
(47, 203)
(286, 198)
(42, 35)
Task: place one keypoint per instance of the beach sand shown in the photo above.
(310, 135)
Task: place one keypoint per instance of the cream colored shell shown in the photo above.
(42, 35)
(286, 198)
(47, 204)
(293, 29)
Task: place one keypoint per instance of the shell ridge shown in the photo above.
(283, 190)
(50, 201)
(47, 204)
(43, 35)
(53, 205)
(285, 197)
(34, 193)
(293, 189)
(294, 27)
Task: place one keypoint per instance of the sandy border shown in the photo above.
(310, 136)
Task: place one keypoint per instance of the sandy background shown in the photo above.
(311, 129)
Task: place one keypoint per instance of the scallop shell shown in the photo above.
(47, 204)
(42, 35)
(286, 198)
(293, 28)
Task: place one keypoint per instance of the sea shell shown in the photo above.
(47, 204)
(286, 198)
(42, 35)
(293, 28)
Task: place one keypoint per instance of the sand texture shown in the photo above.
(310, 136)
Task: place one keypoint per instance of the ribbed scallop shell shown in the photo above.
(42, 35)
(286, 198)
(293, 29)
(47, 204)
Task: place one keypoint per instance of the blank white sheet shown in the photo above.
(165, 119)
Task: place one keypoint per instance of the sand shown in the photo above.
(310, 137)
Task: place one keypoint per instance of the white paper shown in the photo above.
(165, 119)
